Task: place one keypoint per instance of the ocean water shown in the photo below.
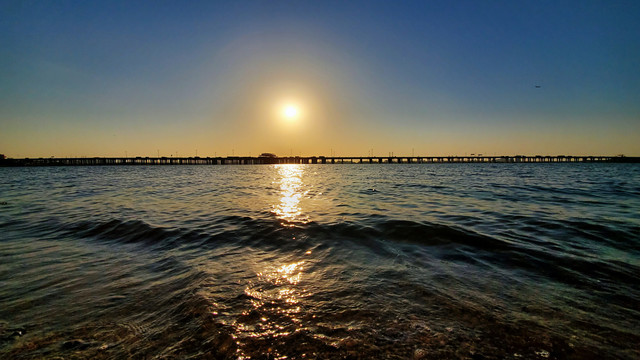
(399, 261)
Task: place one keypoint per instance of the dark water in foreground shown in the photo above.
(527, 261)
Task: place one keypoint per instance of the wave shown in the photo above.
(384, 236)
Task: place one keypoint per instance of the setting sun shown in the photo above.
(290, 112)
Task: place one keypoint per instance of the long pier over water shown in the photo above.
(248, 160)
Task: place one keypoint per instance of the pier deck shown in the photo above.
(242, 160)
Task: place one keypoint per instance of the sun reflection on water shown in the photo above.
(276, 309)
(275, 296)
(291, 192)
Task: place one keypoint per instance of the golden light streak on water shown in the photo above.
(276, 304)
(291, 192)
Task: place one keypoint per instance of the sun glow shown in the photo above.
(290, 112)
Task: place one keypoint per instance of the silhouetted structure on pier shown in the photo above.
(247, 160)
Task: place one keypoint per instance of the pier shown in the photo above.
(248, 160)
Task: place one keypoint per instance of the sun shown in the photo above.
(290, 112)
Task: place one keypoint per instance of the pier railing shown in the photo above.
(247, 160)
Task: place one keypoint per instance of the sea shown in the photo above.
(324, 261)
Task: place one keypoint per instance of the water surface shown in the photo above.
(522, 261)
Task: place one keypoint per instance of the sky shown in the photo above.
(206, 78)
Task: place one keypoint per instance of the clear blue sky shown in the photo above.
(82, 78)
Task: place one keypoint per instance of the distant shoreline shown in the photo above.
(260, 160)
